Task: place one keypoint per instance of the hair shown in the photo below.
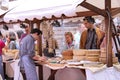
(24, 25)
(5, 27)
(36, 31)
(0, 33)
(70, 34)
(90, 19)
(12, 36)
(19, 33)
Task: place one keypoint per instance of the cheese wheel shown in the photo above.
(103, 49)
(78, 58)
(79, 52)
(93, 52)
(103, 60)
(95, 59)
(103, 54)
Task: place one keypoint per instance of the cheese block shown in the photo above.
(78, 58)
(92, 55)
(79, 52)
(94, 59)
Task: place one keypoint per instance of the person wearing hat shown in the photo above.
(92, 37)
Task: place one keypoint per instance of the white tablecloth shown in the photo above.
(13, 70)
(16, 68)
(1, 78)
(110, 73)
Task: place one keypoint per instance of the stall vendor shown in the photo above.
(92, 37)
(27, 54)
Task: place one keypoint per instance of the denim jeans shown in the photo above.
(1, 67)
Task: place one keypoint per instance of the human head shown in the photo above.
(69, 37)
(25, 26)
(12, 36)
(36, 33)
(88, 21)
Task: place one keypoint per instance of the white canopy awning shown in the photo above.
(100, 4)
(29, 9)
(10, 6)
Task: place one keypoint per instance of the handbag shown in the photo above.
(48, 53)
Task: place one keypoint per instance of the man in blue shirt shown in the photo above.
(27, 54)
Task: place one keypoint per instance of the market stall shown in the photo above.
(91, 7)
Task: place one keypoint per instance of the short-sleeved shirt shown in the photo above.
(2, 45)
(23, 35)
(27, 46)
(70, 46)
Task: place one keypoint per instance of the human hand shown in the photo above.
(39, 58)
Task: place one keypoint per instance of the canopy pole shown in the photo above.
(108, 26)
(39, 51)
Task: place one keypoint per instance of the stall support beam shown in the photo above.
(108, 26)
(93, 8)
